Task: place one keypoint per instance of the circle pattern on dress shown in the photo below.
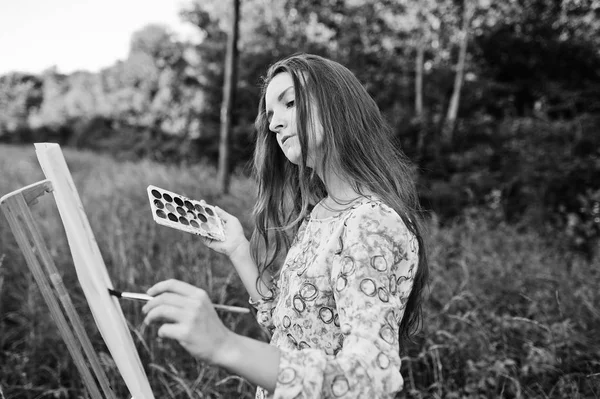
(390, 317)
(326, 314)
(291, 337)
(393, 284)
(387, 334)
(299, 304)
(340, 386)
(308, 291)
(287, 375)
(341, 283)
(303, 345)
(379, 263)
(383, 361)
(348, 265)
(383, 294)
(286, 322)
(367, 286)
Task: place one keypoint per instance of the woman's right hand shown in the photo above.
(234, 235)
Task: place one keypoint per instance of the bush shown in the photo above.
(529, 171)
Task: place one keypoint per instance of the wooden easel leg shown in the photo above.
(41, 264)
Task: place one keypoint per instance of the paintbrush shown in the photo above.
(145, 297)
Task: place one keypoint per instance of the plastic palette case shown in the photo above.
(179, 212)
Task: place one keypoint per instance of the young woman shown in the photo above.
(336, 265)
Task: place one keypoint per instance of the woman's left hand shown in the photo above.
(189, 318)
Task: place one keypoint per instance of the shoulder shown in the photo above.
(376, 234)
(374, 210)
(373, 217)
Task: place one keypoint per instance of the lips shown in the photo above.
(286, 138)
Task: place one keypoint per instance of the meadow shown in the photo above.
(509, 313)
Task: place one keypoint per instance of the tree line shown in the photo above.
(497, 102)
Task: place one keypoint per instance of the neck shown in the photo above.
(338, 188)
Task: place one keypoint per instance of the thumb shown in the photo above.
(224, 215)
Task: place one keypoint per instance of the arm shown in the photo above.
(248, 271)
(256, 361)
(237, 248)
(187, 315)
(368, 364)
(371, 280)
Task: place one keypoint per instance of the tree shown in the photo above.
(229, 89)
(450, 123)
(20, 94)
(540, 52)
(157, 42)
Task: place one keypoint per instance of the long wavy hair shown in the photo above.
(357, 145)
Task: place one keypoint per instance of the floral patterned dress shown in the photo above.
(338, 301)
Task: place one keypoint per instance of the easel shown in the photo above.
(16, 208)
(91, 272)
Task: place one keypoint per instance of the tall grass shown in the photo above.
(137, 252)
(507, 314)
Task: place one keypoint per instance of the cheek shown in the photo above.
(292, 118)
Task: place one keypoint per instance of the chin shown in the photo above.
(295, 160)
(293, 154)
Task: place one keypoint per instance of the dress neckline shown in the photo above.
(351, 205)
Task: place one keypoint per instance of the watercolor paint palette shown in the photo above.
(179, 212)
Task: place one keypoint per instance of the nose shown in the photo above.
(277, 122)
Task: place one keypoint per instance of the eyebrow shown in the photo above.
(279, 98)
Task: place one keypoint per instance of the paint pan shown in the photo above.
(179, 212)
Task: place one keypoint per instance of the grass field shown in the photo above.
(507, 315)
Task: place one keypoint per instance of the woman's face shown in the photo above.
(281, 113)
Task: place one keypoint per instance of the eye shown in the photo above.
(290, 104)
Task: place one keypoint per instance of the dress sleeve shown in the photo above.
(371, 278)
(265, 307)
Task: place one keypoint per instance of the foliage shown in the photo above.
(531, 87)
(19, 95)
(542, 51)
(514, 199)
(529, 172)
(137, 252)
(527, 54)
(504, 316)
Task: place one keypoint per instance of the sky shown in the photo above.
(78, 34)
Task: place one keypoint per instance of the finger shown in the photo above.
(174, 286)
(166, 298)
(223, 215)
(206, 241)
(163, 313)
(171, 331)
